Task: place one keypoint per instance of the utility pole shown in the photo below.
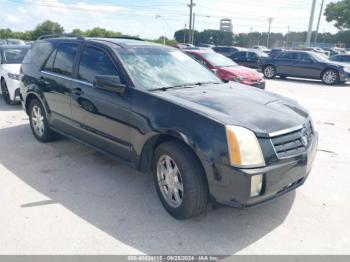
(269, 20)
(309, 32)
(193, 23)
(191, 5)
(185, 33)
(318, 23)
(250, 37)
(287, 37)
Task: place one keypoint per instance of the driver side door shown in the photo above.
(102, 115)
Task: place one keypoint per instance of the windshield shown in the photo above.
(156, 68)
(14, 55)
(319, 57)
(218, 60)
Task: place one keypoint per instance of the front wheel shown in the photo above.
(330, 77)
(180, 180)
(38, 122)
(269, 72)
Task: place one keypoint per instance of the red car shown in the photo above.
(226, 69)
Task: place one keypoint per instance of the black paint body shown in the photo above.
(129, 125)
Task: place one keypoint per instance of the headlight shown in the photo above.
(244, 148)
(239, 78)
(14, 76)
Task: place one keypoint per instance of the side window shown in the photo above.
(95, 62)
(199, 59)
(49, 63)
(64, 59)
(285, 55)
(38, 54)
(346, 58)
(252, 55)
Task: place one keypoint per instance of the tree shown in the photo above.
(340, 13)
(47, 28)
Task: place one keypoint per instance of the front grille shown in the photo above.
(293, 143)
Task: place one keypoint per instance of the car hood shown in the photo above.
(242, 71)
(11, 68)
(235, 104)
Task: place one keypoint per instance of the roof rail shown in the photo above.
(126, 37)
(79, 37)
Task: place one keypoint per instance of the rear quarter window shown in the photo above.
(38, 54)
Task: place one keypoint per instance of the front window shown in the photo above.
(161, 67)
(14, 55)
(218, 60)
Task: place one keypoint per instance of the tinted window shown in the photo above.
(252, 55)
(286, 55)
(64, 59)
(199, 59)
(95, 62)
(239, 55)
(346, 58)
(38, 54)
(49, 63)
(302, 57)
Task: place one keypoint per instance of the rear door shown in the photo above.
(55, 81)
(102, 116)
(284, 63)
(240, 58)
(252, 60)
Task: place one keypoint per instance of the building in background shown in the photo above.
(226, 25)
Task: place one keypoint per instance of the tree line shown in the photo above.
(215, 37)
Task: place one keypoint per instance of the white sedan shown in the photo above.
(11, 58)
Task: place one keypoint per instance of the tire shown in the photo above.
(269, 71)
(330, 77)
(187, 188)
(5, 92)
(38, 122)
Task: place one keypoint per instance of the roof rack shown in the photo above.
(126, 37)
(79, 37)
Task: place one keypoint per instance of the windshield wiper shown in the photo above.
(164, 88)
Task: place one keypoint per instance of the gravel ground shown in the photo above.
(64, 198)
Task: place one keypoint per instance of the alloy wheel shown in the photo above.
(269, 72)
(170, 181)
(330, 77)
(38, 121)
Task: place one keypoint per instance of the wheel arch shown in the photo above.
(329, 68)
(30, 97)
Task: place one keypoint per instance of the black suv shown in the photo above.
(158, 109)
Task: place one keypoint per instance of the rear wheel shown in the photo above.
(5, 92)
(39, 123)
(269, 72)
(180, 180)
(330, 77)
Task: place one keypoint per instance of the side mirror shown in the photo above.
(109, 83)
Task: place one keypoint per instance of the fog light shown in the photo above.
(256, 185)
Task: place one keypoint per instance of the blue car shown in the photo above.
(305, 64)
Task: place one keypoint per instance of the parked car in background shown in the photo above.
(158, 110)
(205, 45)
(184, 46)
(227, 69)
(12, 42)
(11, 58)
(250, 58)
(306, 64)
(344, 58)
(227, 50)
(262, 48)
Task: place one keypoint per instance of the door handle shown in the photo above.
(78, 91)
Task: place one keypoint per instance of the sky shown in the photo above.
(153, 18)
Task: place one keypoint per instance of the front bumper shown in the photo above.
(231, 186)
